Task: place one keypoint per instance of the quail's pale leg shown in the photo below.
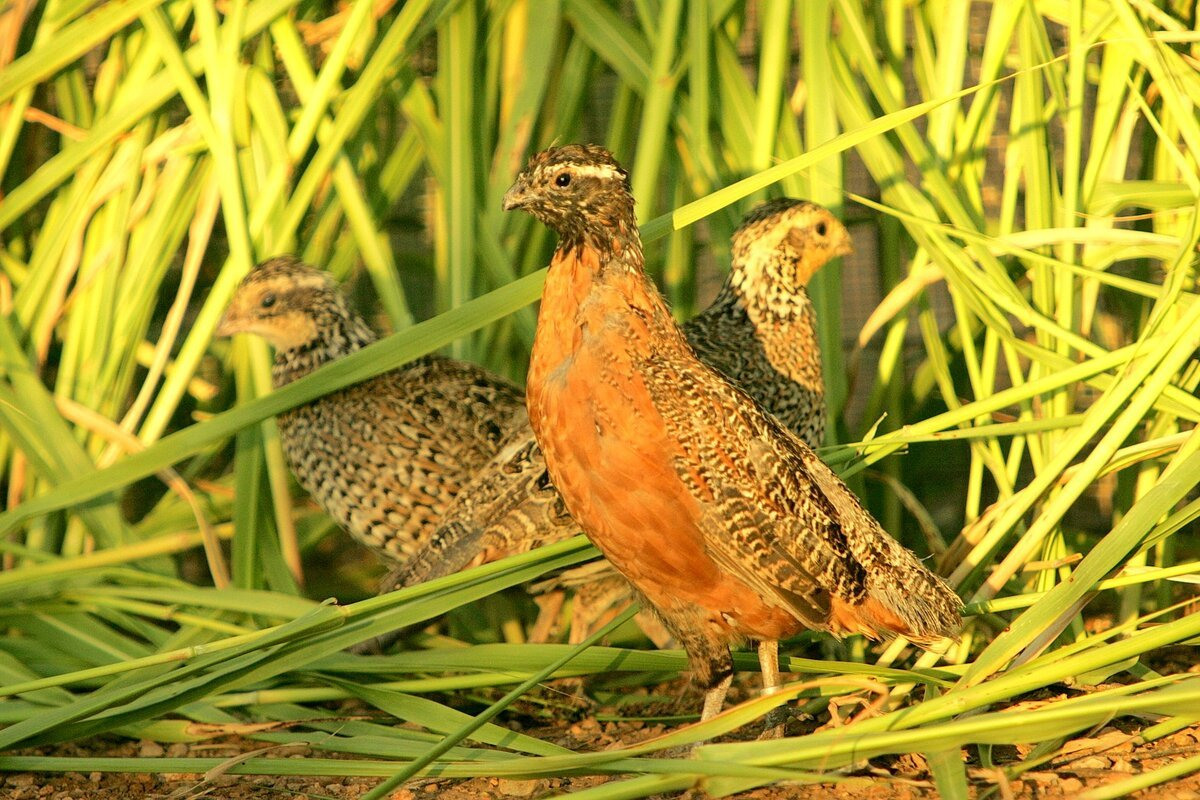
(549, 608)
(714, 698)
(768, 661)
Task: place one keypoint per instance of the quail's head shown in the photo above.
(282, 300)
(573, 189)
(782, 243)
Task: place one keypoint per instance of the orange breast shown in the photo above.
(609, 454)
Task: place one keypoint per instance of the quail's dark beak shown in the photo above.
(516, 196)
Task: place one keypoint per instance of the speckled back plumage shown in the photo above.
(386, 456)
(760, 331)
(724, 520)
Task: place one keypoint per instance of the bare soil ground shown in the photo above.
(1102, 756)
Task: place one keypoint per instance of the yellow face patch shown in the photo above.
(267, 309)
(790, 246)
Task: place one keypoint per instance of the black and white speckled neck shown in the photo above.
(339, 332)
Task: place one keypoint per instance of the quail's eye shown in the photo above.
(820, 229)
(563, 179)
(267, 301)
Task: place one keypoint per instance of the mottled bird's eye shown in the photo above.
(820, 229)
(563, 179)
(267, 301)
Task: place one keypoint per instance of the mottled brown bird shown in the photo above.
(760, 331)
(386, 456)
(727, 523)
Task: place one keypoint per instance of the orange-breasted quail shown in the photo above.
(386, 456)
(728, 524)
(760, 331)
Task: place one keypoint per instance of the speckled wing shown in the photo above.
(385, 457)
(780, 520)
(762, 521)
(926, 603)
(509, 507)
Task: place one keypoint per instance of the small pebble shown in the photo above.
(1070, 786)
(149, 749)
(513, 788)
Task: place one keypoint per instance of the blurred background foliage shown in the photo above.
(1021, 184)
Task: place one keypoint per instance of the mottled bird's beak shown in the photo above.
(844, 249)
(516, 196)
(228, 325)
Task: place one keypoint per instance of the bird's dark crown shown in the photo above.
(577, 190)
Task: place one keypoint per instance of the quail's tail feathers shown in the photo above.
(906, 600)
(925, 605)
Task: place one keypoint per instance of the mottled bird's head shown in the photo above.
(574, 189)
(781, 244)
(286, 302)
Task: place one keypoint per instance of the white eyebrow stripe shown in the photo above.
(596, 170)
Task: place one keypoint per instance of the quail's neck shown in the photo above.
(611, 231)
(339, 333)
(765, 296)
(621, 264)
(785, 323)
(598, 282)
